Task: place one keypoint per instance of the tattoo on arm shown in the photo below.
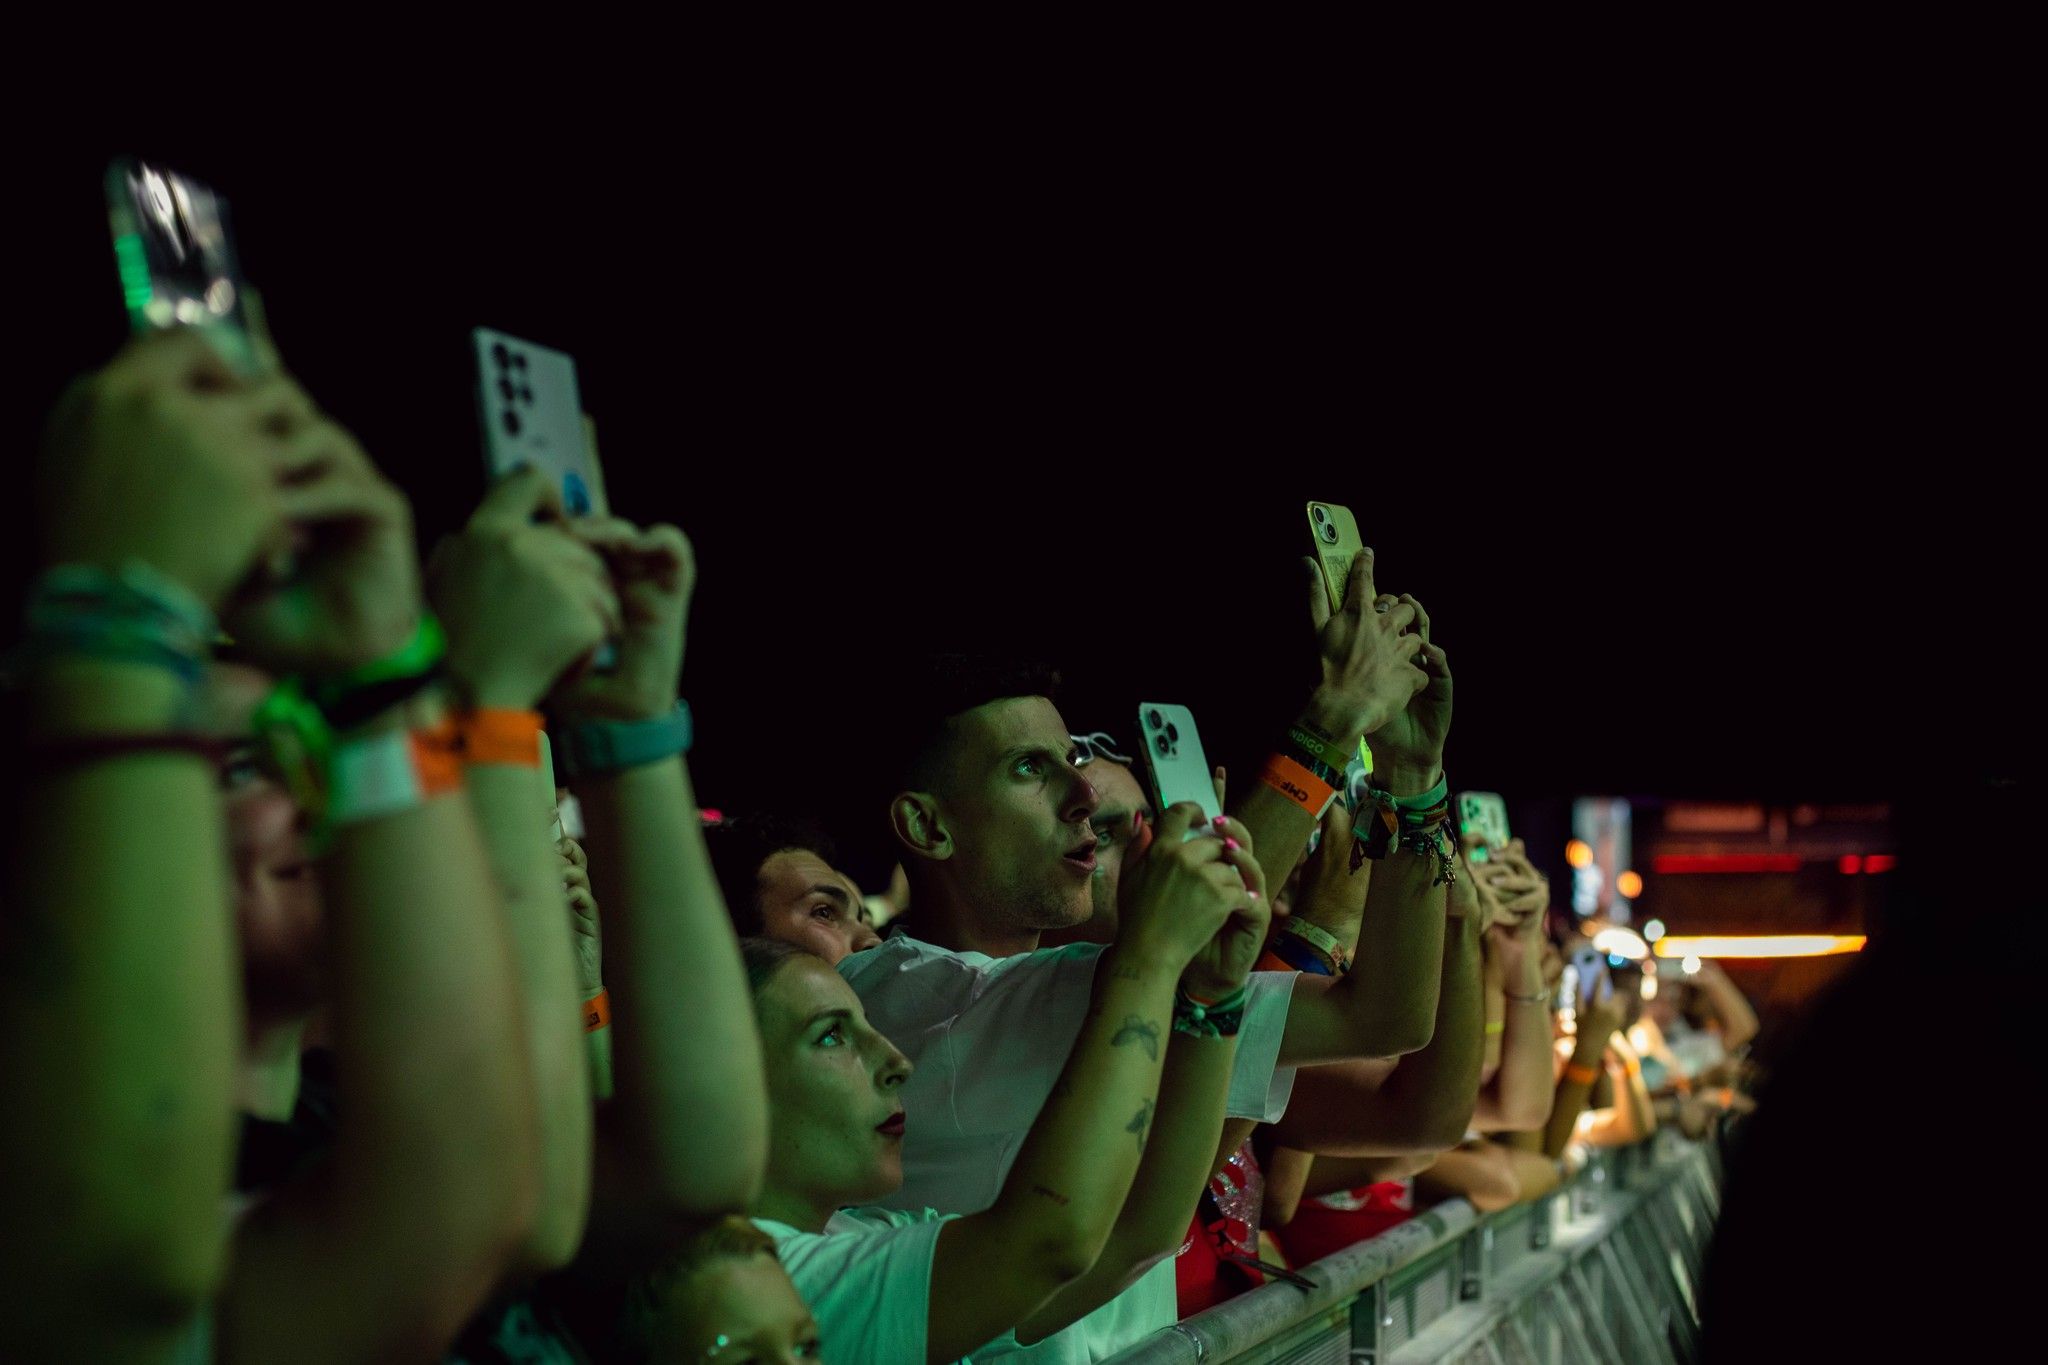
(1140, 1121)
(1127, 973)
(1054, 1195)
(1134, 1028)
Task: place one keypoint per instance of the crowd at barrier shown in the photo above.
(379, 990)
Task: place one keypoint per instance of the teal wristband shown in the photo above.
(584, 748)
(1218, 1020)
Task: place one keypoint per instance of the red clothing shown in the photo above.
(1336, 1221)
(1226, 1228)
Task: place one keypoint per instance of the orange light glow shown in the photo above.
(1579, 853)
(1759, 945)
(1629, 885)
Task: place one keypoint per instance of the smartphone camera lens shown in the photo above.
(1173, 733)
(519, 361)
(1162, 745)
(1319, 514)
(1328, 533)
(512, 422)
(501, 355)
(526, 396)
(506, 390)
(1153, 719)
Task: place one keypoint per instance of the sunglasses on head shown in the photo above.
(1088, 748)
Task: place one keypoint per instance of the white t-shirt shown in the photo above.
(988, 1037)
(867, 1279)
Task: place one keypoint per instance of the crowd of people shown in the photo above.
(350, 1041)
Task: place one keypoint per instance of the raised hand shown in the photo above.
(1408, 751)
(524, 603)
(655, 572)
(583, 917)
(1368, 659)
(1221, 965)
(1178, 895)
(169, 458)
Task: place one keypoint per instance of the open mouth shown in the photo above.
(891, 1126)
(1082, 856)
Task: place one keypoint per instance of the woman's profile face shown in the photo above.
(835, 1117)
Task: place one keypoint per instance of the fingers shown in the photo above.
(1358, 589)
(1176, 821)
(1318, 595)
(1217, 780)
(573, 851)
(1421, 616)
(518, 499)
(1399, 617)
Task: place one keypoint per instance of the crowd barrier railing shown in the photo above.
(1606, 1268)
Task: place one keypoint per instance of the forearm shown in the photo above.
(1573, 1092)
(1386, 1006)
(1070, 1180)
(121, 1029)
(1276, 822)
(1732, 1008)
(1535, 1175)
(1168, 1187)
(1493, 994)
(1522, 1090)
(511, 811)
(685, 1049)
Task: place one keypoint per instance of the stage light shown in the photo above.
(1759, 945)
(1579, 853)
(1621, 945)
(1654, 930)
(1629, 885)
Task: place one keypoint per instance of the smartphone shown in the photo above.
(1594, 982)
(1568, 987)
(1174, 763)
(532, 416)
(176, 256)
(1333, 539)
(1483, 822)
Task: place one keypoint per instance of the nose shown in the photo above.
(864, 937)
(895, 1068)
(1081, 801)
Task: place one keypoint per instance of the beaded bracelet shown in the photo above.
(1209, 1019)
(132, 614)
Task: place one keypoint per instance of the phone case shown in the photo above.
(176, 256)
(1333, 536)
(1485, 815)
(532, 415)
(1173, 758)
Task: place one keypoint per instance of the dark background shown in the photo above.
(1691, 446)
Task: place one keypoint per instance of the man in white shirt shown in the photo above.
(994, 819)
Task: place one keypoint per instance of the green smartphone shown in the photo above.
(1482, 822)
(176, 255)
(1334, 541)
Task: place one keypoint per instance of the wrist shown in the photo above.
(1405, 778)
(1134, 959)
(1344, 721)
(70, 697)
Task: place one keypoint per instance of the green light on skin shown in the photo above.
(134, 267)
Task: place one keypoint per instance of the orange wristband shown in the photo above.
(597, 1012)
(437, 755)
(501, 735)
(1273, 962)
(1297, 784)
(1582, 1075)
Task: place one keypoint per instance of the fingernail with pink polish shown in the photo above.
(1253, 894)
(1231, 844)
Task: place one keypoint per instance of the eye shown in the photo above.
(833, 1037)
(825, 911)
(1031, 765)
(808, 1350)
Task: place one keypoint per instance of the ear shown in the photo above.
(919, 826)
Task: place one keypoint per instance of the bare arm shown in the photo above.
(1169, 1184)
(1730, 1005)
(1478, 1174)
(119, 1029)
(1632, 1117)
(432, 1183)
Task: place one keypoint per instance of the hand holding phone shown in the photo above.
(177, 259)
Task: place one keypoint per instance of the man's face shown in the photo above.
(1018, 813)
(808, 903)
(739, 1309)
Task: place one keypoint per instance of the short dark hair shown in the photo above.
(739, 846)
(935, 695)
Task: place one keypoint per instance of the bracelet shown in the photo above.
(597, 1012)
(1299, 785)
(1322, 941)
(1270, 961)
(500, 735)
(48, 755)
(1582, 1075)
(1307, 751)
(1209, 1019)
(1537, 999)
(391, 772)
(133, 614)
(360, 694)
(589, 747)
(1298, 956)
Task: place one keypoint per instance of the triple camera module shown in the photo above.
(512, 385)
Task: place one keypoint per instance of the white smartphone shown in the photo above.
(532, 415)
(1171, 751)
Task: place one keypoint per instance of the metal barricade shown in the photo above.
(1606, 1268)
